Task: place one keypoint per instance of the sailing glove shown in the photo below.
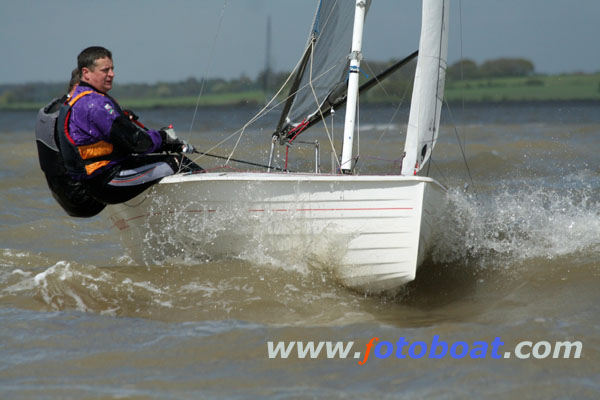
(171, 143)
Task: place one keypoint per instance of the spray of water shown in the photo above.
(518, 223)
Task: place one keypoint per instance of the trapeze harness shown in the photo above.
(71, 195)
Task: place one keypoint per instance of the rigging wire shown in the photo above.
(462, 77)
(396, 111)
(256, 117)
(266, 108)
(208, 66)
(259, 115)
(264, 111)
(460, 145)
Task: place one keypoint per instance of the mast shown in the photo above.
(428, 90)
(355, 58)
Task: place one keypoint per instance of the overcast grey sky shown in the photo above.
(170, 40)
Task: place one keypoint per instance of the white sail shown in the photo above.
(428, 91)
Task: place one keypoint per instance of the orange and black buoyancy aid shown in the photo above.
(82, 160)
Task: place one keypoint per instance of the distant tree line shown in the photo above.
(497, 68)
(397, 84)
(43, 92)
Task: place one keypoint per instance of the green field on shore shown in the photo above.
(567, 87)
(535, 88)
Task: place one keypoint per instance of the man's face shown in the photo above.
(101, 75)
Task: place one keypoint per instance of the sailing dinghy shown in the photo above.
(373, 230)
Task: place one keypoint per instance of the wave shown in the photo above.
(497, 229)
(234, 290)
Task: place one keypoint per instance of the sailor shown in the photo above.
(70, 194)
(106, 148)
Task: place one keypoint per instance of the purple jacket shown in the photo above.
(92, 120)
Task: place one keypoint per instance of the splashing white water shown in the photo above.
(513, 225)
(191, 235)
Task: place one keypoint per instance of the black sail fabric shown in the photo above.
(327, 68)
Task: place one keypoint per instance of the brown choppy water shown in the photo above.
(519, 260)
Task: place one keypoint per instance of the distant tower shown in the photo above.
(267, 72)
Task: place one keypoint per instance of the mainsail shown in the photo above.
(428, 91)
(323, 75)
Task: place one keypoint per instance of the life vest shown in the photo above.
(82, 160)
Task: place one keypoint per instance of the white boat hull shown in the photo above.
(372, 231)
